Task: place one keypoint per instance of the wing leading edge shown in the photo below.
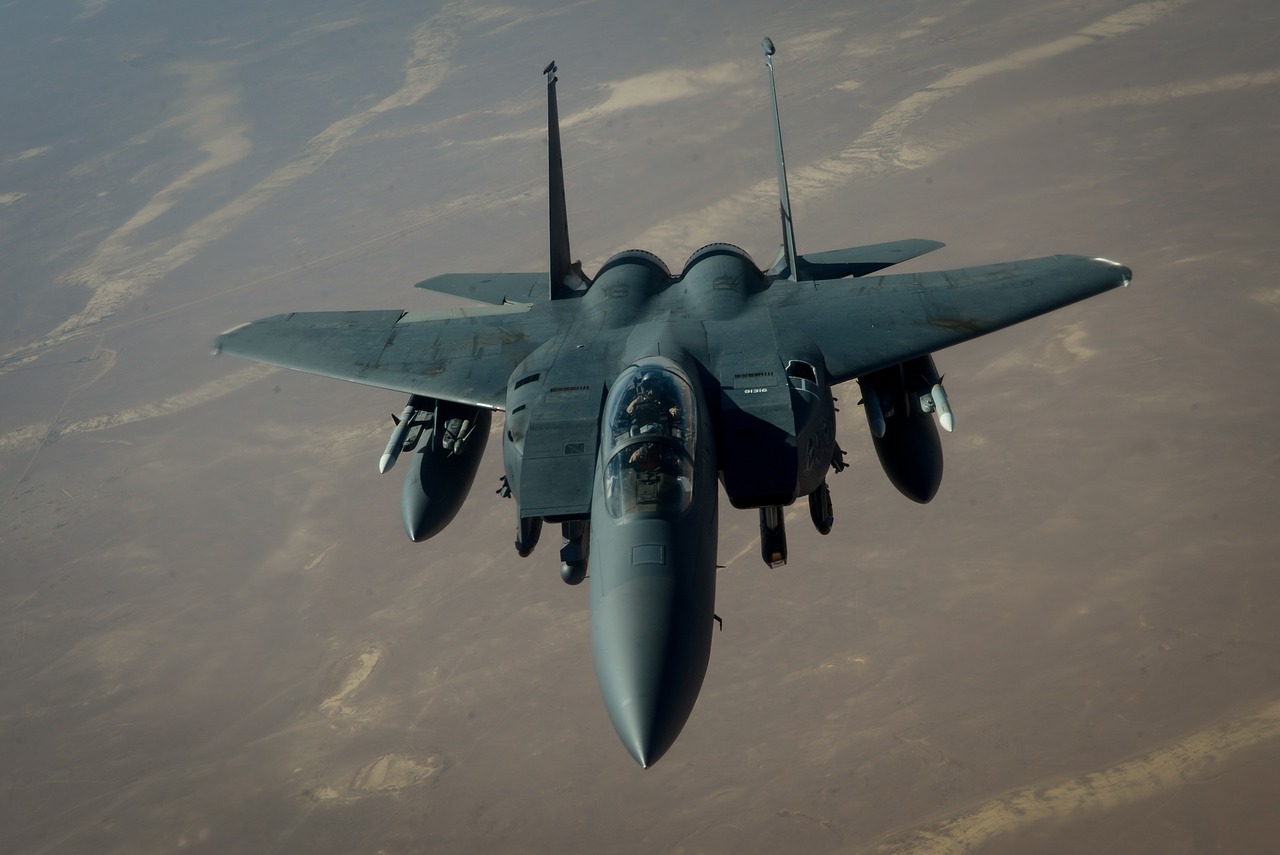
(863, 325)
(464, 355)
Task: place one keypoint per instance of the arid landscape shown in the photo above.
(217, 638)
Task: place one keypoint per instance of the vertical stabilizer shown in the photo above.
(784, 201)
(566, 274)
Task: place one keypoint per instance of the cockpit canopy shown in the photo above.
(651, 399)
(651, 423)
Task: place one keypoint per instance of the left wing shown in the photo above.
(464, 354)
(863, 325)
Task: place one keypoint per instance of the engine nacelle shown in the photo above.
(443, 467)
(779, 436)
(898, 402)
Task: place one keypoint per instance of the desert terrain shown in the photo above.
(217, 638)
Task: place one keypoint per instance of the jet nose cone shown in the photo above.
(635, 727)
(650, 647)
(648, 724)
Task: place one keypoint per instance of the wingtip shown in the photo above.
(1126, 273)
(234, 329)
(222, 337)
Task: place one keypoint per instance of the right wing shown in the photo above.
(464, 354)
(863, 325)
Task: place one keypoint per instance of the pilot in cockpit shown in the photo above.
(652, 458)
(657, 482)
(648, 412)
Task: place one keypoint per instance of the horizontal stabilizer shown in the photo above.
(494, 288)
(862, 260)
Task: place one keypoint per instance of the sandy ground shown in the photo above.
(217, 637)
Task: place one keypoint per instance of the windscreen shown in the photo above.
(650, 416)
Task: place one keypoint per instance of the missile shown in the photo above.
(925, 387)
(392, 451)
(942, 407)
(455, 435)
(871, 404)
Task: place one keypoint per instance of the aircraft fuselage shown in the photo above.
(653, 542)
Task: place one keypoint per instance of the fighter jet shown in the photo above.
(629, 393)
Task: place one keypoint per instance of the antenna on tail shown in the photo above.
(784, 201)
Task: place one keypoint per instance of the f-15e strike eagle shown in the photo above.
(628, 394)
